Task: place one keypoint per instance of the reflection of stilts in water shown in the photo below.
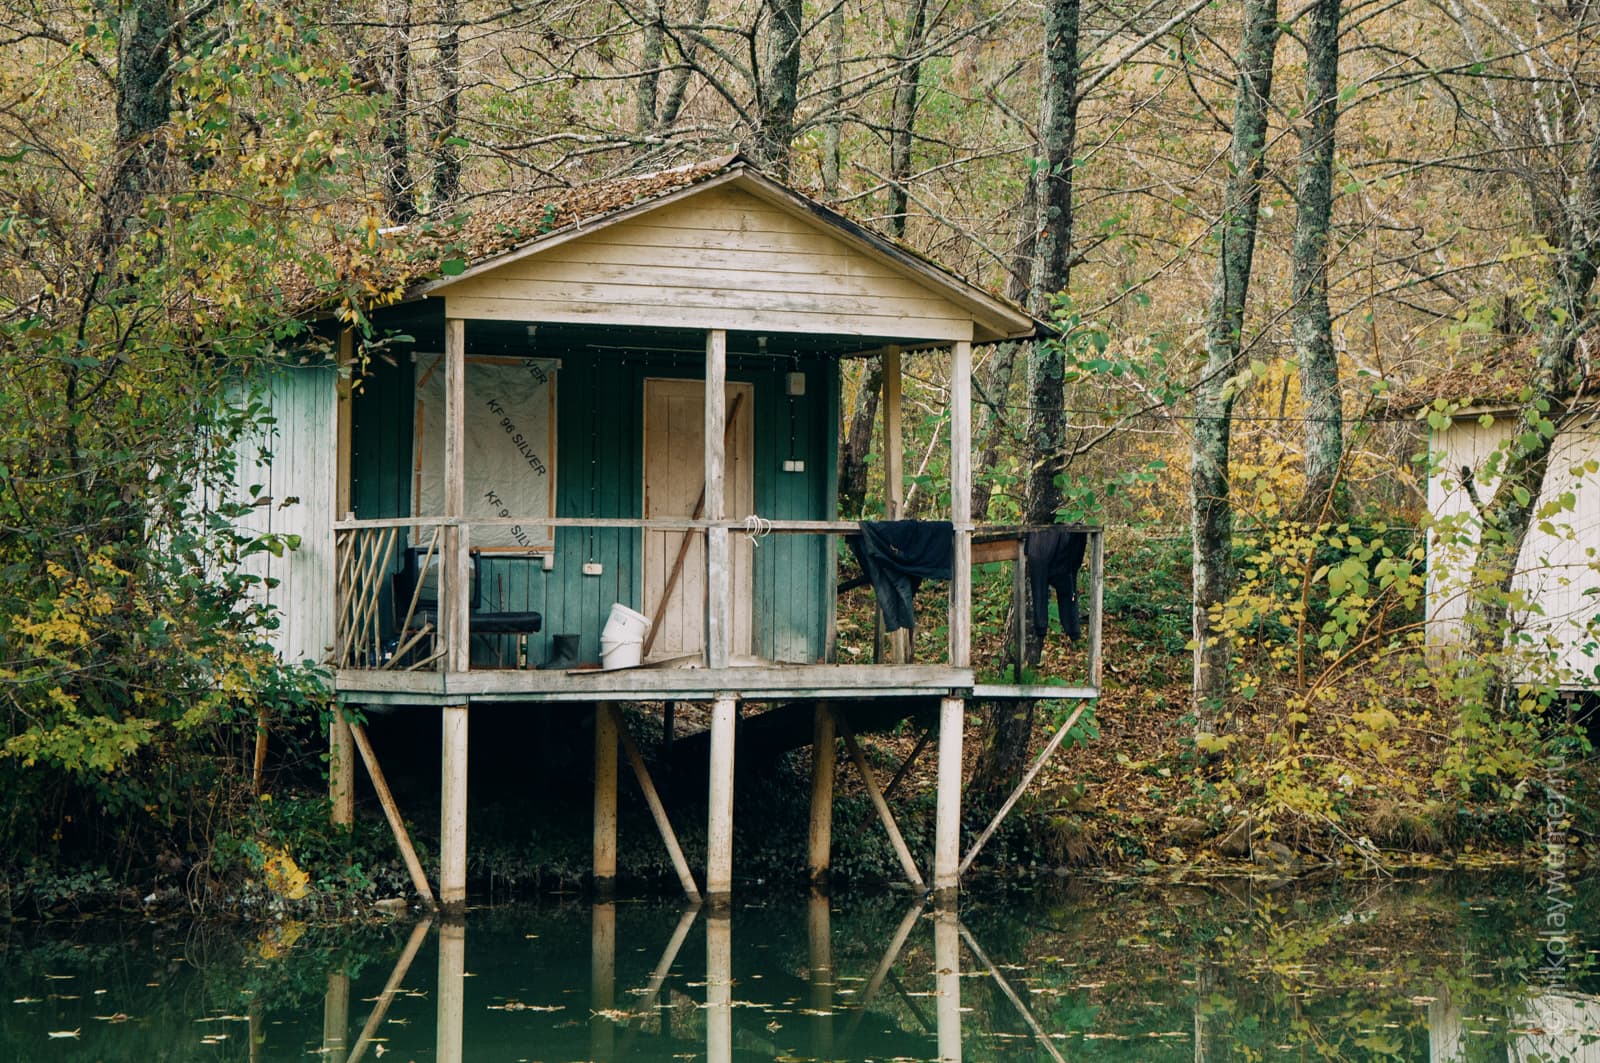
(885, 966)
(1205, 980)
(719, 988)
(658, 979)
(1011, 994)
(819, 936)
(452, 990)
(947, 962)
(602, 981)
(335, 1015)
(380, 1007)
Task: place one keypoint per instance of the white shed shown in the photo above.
(1558, 574)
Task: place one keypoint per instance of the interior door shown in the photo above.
(674, 482)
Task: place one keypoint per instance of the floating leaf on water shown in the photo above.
(65, 1033)
(118, 1017)
(27, 1000)
(60, 977)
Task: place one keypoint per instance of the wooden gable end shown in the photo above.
(719, 259)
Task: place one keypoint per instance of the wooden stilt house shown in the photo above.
(626, 396)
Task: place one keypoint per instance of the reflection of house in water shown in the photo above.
(1551, 1027)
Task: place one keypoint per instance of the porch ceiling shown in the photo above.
(421, 324)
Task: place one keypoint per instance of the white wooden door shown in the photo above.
(674, 477)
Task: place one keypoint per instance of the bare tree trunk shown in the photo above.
(680, 77)
(395, 71)
(1010, 732)
(1312, 329)
(145, 31)
(835, 97)
(902, 120)
(780, 85)
(650, 56)
(1211, 510)
(1564, 318)
(858, 439)
(447, 116)
(995, 388)
(1046, 366)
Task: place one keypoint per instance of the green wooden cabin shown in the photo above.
(534, 440)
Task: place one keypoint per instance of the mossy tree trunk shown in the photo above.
(1325, 498)
(1211, 509)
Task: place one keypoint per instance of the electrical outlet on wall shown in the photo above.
(593, 568)
(794, 465)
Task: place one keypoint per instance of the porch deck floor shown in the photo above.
(766, 682)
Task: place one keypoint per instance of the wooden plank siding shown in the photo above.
(292, 461)
(1555, 570)
(599, 429)
(724, 259)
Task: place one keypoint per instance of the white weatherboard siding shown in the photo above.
(1557, 568)
(293, 462)
(722, 259)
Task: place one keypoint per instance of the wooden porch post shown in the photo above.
(961, 504)
(336, 1015)
(719, 571)
(823, 753)
(455, 561)
(819, 941)
(894, 477)
(453, 809)
(719, 827)
(605, 799)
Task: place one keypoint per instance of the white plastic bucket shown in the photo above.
(622, 640)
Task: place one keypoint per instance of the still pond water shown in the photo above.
(1444, 968)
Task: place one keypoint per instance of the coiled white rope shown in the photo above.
(756, 528)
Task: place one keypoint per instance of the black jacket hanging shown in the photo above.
(896, 556)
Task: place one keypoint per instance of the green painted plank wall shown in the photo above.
(600, 403)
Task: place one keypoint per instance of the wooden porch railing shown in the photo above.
(417, 633)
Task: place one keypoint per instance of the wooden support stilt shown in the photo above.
(456, 563)
(391, 812)
(907, 862)
(909, 763)
(380, 1006)
(819, 942)
(658, 811)
(719, 988)
(1010, 994)
(605, 799)
(602, 982)
(947, 822)
(719, 825)
(819, 856)
(453, 809)
(341, 769)
(451, 994)
(1016, 794)
(336, 1014)
(947, 983)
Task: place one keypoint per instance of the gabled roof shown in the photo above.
(414, 261)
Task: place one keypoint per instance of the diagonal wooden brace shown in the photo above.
(908, 864)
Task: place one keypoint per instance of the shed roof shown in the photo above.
(1492, 378)
(407, 262)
